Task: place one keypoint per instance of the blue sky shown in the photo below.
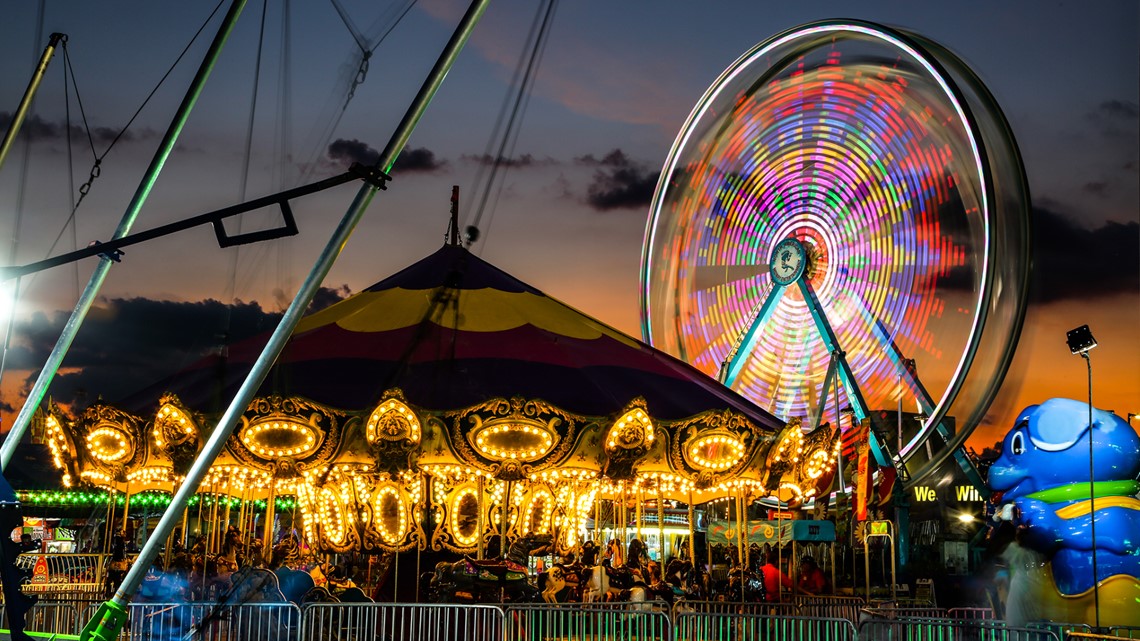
(615, 75)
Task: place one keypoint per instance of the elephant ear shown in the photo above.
(1058, 424)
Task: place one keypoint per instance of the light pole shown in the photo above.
(1080, 341)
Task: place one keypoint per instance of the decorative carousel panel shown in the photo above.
(392, 512)
(110, 444)
(500, 440)
(818, 466)
(468, 508)
(63, 455)
(538, 511)
(713, 450)
(716, 451)
(393, 432)
(329, 516)
(176, 434)
(173, 425)
(802, 465)
(628, 439)
(286, 429)
(513, 439)
(281, 438)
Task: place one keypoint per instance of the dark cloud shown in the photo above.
(346, 152)
(128, 344)
(525, 160)
(1119, 109)
(36, 128)
(327, 297)
(615, 158)
(1095, 188)
(619, 183)
(1116, 118)
(1072, 262)
(419, 159)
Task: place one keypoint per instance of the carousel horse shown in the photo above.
(551, 583)
(686, 581)
(473, 581)
(612, 580)
(563, 581)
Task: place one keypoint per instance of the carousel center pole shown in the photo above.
(661, 528)
(692, 534)
(479, 519)
(504, 521)
(640, 498)
(597, 517)
(112, 615)
(270, 515)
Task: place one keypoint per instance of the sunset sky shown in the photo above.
(616, 82)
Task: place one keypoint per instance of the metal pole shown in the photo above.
(87, 298)
(479, 524)
(270, 516)
(692, 533)
(29, 95)
(1092, 499)
(112, 615)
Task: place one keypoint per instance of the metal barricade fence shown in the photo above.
(400, 622)
(646, 621)
(212, 622)
(65, 569)
(729, 607)
(832, 607)
(916, 629)
(1124, 632)
(1062, 630)
(693, 626)
(983, 614)
(48, 616)
(895, 612)
(846, 611)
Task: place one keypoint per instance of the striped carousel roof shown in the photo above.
(452, 331)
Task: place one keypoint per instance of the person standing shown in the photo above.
(774, 578)
(17, 604)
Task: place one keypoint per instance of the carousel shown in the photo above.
(452, 408)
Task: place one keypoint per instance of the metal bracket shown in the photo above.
(289, 228)
(371, 175)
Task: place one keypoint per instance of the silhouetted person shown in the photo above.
(16, 602)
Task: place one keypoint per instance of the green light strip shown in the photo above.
(144, 499)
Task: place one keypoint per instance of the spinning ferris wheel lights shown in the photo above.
(886, 162)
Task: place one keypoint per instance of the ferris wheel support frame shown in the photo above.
(737, 357)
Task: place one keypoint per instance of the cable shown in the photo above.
(386, 24)
(527, 71)
(96, 168)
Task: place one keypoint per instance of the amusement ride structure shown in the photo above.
(843, 222)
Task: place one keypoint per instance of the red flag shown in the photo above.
(862, 482)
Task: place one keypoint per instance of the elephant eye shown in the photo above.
(1018, 443)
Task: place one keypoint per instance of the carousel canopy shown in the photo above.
(452, 331)
(520, 410)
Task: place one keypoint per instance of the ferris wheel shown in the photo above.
(842, 222)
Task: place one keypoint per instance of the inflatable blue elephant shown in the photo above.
(1044, 473)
